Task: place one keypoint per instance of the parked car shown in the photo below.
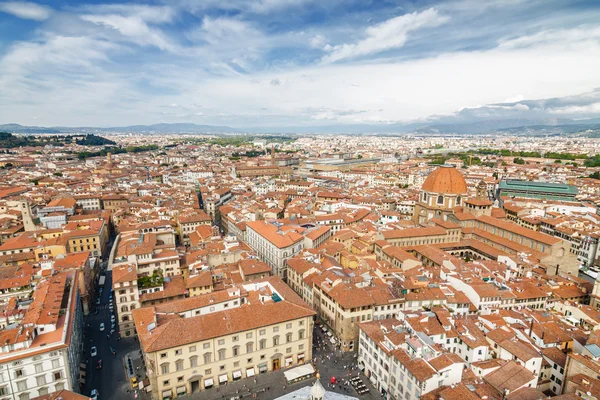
(94, 351)
(112, 318)
(94, 394)
(102, 327)
(98, 301)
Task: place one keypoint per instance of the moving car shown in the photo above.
(99, 364)
(102, 327)
(94, 351)
(98, 301)
(94, 394)
(112, 350)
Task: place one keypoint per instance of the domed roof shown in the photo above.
(445, 180)
(317, 392)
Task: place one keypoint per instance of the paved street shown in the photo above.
(110, 381)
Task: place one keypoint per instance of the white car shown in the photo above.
(94, 394)
(102, 327)
(112, 318)
(94, 351)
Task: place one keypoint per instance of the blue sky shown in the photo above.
(265, 63)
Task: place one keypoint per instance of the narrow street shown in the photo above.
(110, 381)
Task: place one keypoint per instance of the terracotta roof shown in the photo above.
(62, 394)
(446, 180)
(511, 376)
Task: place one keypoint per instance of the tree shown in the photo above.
(595, 175)
(519, 160)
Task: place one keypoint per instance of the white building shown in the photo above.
(41, 353)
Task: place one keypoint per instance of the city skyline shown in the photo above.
(286, 63)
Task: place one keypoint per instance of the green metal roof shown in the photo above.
(538, 187)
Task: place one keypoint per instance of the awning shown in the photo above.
(329, 333)
(181, 389)
(300, 356)
(166, 393)
(208, 382)
(332, 340)
(288, 361)
(250, 372)
(262, 367)
(237, 374)
(301, 372)
(223, 378)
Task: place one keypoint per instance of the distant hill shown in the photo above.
(444, 126)
(9, 141)
(156, 128)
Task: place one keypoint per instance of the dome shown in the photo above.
(317, 392)
(445, 180)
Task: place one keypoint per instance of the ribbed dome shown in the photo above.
(317, 392)
(445, 180)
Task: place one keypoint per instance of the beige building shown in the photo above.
(209, 340)
(124, 278)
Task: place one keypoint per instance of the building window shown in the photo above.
(236, 351)
(221, 342)
(164, 368)
(41, 380)
(193, 361)
(249, 347)
(192, 349)
(275, 340)
(288, 338)
(301, 334)
(440, 199)
(22, 385)
(262, 344)
(222, 354)
(249, 335)
(207, 358)
(178, 352)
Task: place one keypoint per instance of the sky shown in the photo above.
(286, 63)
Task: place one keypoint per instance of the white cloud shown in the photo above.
(150, 14)
(554, 36)
(593, 108)
(26, 10)
(387, 35)
(134, 29)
